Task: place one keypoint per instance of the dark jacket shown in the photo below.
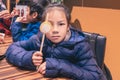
(22, 31)
(73, 58)
(4, 23)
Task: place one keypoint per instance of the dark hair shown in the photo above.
(35, 6)
(57, 5)
(2, 31)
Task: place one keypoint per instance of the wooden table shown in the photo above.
(10, 72)
(4, 46)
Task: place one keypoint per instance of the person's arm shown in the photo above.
(5, 14)
(85, 67)
(20, 53)
(19, 35)
(16, 31)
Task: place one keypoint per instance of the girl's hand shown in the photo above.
(42, 68)
(37, 58)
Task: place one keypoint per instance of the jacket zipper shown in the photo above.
(53, 46)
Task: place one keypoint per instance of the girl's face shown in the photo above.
(59, 25)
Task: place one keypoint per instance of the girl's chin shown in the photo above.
(56, 41)
(25, 22)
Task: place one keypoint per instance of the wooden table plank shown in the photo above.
(4, 46)
(10, 72)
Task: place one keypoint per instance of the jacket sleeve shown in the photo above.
(16, 31)
(19, 35)
(20, 54)
(85, 67)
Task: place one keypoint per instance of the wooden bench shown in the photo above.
(10, 72)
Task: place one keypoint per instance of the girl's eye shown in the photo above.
(61, 24)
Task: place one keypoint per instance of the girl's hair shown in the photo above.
(35, 6)
(52, 6)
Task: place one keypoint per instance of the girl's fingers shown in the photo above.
(42, 68)
(37, 63)
(37, 58)
(38, 53)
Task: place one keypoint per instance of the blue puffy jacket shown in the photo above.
(19, 33)
(73, 58)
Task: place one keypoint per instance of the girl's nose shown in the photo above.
(55, 29)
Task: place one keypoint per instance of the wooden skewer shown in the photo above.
(8, 5)
(41, 46)
(43, 37)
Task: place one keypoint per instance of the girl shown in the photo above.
(66, 53)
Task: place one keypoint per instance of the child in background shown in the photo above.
(65, 53)
(26, 26)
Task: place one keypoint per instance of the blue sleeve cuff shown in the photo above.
(27, 61)
(51, 68)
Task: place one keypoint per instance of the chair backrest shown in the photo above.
(98, 44)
